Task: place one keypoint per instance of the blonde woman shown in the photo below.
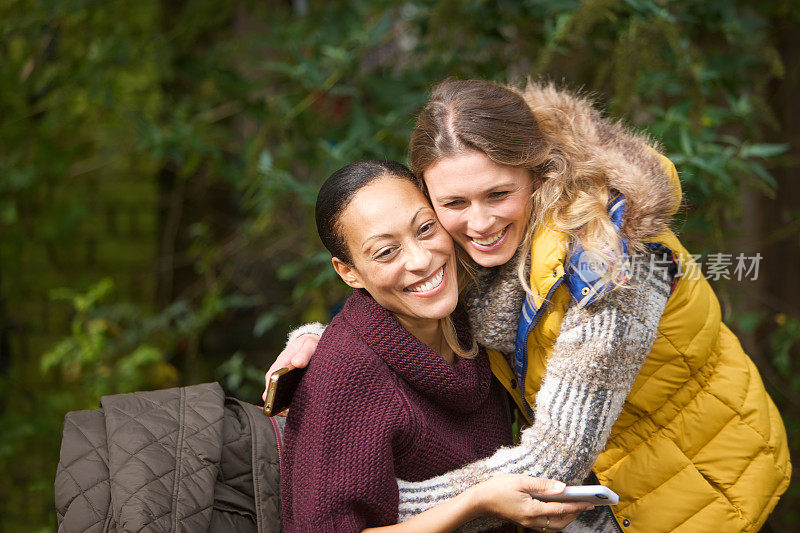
(613, 352)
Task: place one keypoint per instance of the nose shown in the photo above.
(418, 257)
(480, 219)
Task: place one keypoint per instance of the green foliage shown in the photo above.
(241, 379)
(782, 341)
(210, 126)
(111, 348)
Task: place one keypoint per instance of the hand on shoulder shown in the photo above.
(297, 353)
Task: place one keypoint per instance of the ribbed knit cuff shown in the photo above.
(314, 327)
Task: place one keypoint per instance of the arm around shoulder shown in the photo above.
(502, 499)
(596, 358)
(300, 347)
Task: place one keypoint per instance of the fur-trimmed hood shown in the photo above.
(631, 164)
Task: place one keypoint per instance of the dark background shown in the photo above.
(159, 161)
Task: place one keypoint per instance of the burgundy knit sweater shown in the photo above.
(377, 404)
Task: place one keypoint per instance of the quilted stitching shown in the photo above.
(151, 462)
(145, 441)
(82, 495)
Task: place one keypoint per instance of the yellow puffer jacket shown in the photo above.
(699, 445)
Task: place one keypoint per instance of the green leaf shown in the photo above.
(268, 320)
(763, 150)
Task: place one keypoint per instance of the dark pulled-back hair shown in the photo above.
(338, 191)
(336, 194)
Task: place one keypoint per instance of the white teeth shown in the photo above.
(430, 284)
(491, 240)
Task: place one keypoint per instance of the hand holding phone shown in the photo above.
(280, 389)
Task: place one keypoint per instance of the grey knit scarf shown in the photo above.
(493, 303)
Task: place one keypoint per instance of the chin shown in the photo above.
(436, 312)
(442, 309)
(492, 260)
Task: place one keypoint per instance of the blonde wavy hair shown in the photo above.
(570, 193)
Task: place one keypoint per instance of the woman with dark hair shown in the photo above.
(592, 315)
(393, 391)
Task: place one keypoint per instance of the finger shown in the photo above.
(275, 366)
(551, 522)
(559, 509)
(576, 507)
(559, 514)
(538, 522)
(540, 485)
(283, 360)
(305, 350)
(313, 341)
(280, 362)
(561, 522)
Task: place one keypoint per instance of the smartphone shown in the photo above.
(596, 494)
(280, 389)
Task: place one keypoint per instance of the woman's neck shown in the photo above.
(430, 332)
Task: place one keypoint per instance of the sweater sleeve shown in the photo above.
(596, 358)
(338, 462)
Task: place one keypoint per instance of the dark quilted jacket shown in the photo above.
(183, 459)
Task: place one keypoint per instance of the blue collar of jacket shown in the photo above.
(584, 278)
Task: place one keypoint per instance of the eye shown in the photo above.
(427, 227)
(384, 253)
(498, 195)
(455, 204)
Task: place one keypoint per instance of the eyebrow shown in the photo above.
(387, 235)
(493, 188)
(417, 214)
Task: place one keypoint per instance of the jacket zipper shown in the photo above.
(278, 439)
(534, 321)
(613, 518)
(593, 479)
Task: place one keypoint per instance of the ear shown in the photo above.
(348, 273)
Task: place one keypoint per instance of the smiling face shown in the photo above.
(400, 253)
(484, 206)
